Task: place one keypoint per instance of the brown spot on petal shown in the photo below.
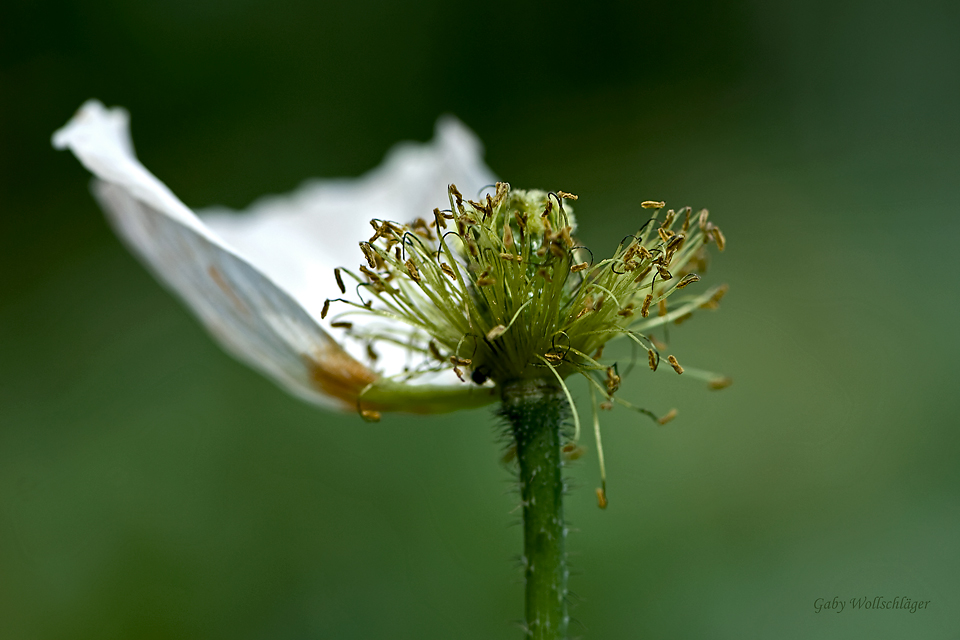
(335, 373)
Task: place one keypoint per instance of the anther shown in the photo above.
(643, 274)
(463, 362)
(412, 270)
(326, 308)
(714, 301)
(613, 381)
(720, 383)
(572, 451)
(645, 309)
(676, 242)
(579, 267)
(439, 218)
(341, 325)
(673, 363)
(654, 360)
(521, 221)
(447, 270)
(336, 274)
(369, 254)
(369, 415)
(668, 220)
(670, 415)
(666, 275)
(719, 237)
(652, 204)
(567, 196)
(690, 278)
(601, 498)
(485, 280)
(662, 308)
(496, 332)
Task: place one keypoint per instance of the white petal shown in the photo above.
(298, 239)
(247, 313)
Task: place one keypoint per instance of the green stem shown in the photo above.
(536, 410)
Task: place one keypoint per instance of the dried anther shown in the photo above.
(668, 416)
(673, 363)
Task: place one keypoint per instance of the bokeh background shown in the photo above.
(151, 487)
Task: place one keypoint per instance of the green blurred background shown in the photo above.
(151, 487)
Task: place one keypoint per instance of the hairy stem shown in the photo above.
(536, 410)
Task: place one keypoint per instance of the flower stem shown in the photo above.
(536, 410)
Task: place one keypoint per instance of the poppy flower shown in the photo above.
(445, 306)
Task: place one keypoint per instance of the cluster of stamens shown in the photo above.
(499, 290)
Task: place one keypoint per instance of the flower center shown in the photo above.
(499, 289)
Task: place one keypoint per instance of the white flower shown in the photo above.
(258, 280)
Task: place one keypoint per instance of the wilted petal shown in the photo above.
(247, 313)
